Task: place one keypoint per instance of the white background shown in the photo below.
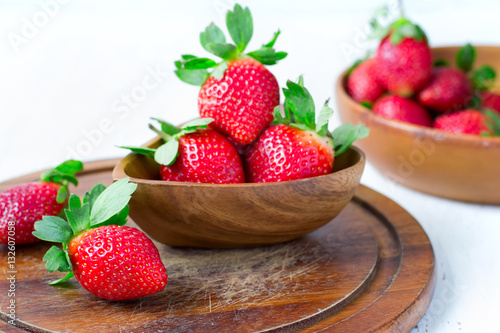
(64, 79)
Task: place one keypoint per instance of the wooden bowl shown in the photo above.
(236, 215)
(460, 167)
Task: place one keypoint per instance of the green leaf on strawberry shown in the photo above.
(212, 34)
(465, 57)
(63, 174)
(299, 112)
(78, 216)
(111, 201)
(483, 78)
(167, 153)
(239, 23)
(403, 28)
(195, 77)
(56, 260)
(345, 135)
(299, 102)
(101, 206)
(53, 229)
(167, 127)
(225, 51)
(493, 122)
(91, 196)
(200, 63)
(324, 116)
(441, 63)
(266, 54)
(218, 72)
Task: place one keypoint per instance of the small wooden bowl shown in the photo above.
(460, 167)
(236, 215)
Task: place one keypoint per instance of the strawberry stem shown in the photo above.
(63, 174)
(401, 8)
(162, 134)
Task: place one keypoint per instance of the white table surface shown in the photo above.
(71, 74)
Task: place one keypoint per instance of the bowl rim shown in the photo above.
(119, 173)
(412, 129)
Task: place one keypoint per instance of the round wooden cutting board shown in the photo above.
(371, 269)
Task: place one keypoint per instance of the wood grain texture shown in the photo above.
(370, 269)
(236, 215)
(460, 167)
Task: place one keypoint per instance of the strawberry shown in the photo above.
(403, 59)
(490, 101)
(469, 121)
(363, 84)
(195, 153)
(295, 146)
(21, 206)
(108, 259)
(239, 93)
(402, 109)
(448, 89)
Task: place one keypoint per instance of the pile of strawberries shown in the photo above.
(243, 134)
(404, 83)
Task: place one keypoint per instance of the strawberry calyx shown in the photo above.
(482, 78)
(492, 122)
(299, 112)
(99, 207)
(194, 70)
(167, 153)
(398, 30)
(404, 28)
(63, 175)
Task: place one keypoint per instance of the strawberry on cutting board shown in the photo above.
(21, 206)
(239, 93)
(296, 146)
(108, 259)
(402, 109)
(195, 153)
(403, 58)
(362, 82)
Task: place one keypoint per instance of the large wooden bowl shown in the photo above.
(460, 167)
(236, 215)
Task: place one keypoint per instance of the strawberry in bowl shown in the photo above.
(239, 93)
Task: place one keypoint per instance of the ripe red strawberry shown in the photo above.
(491, 101)
(205, 156)
(449, 89)
(286, 153)
(402, 109)
(296, 147)
(404, 59)
(117, 263)
(21, 206)
(363, 84)
(469, 121)
(239, 93)
(195, 153)
(241, 102)
(109, 260)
